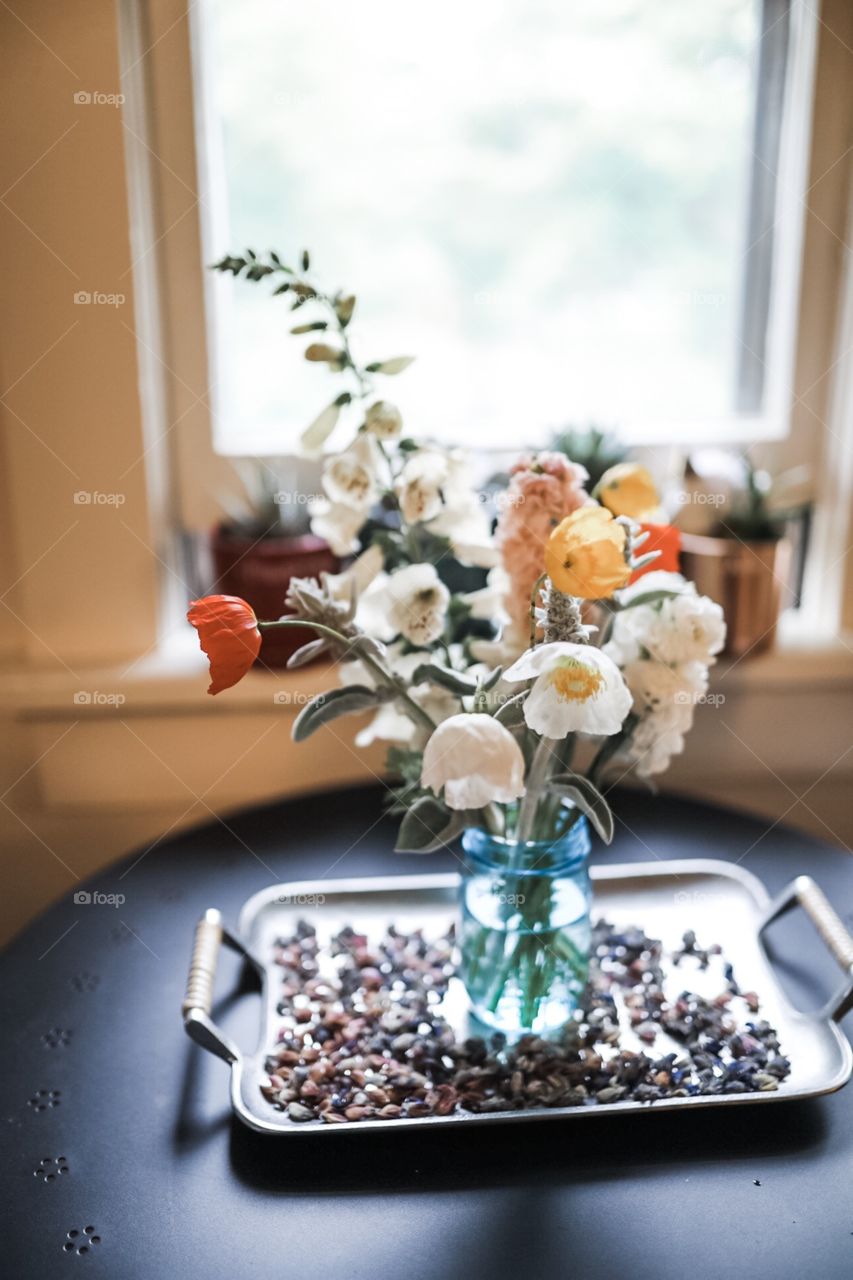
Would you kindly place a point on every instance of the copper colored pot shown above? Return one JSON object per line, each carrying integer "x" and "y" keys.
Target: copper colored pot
{"x": 746, "y": 578}
{"x": 260, "y": 572}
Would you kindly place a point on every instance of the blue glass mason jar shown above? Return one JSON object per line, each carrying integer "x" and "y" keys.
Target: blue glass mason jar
{"x": 525, "y": 928}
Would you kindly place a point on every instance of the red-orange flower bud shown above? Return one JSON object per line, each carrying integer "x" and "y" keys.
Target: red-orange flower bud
{"x": 228, "y": 633}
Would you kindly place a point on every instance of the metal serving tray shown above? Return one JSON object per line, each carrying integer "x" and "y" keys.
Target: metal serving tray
{"x": 721, "y": 902}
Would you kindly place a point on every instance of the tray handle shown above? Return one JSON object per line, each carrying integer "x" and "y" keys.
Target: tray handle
{"x": 210, "y": 933}
{"x": 804, "y": 892}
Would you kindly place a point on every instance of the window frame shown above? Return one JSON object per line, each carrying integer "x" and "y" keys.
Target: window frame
{"x": 771, "y": 233}
{"x": 176, "y": 162}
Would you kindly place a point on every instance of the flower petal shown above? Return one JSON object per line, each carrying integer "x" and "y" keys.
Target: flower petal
{"x": 542, "y": 657}
{"x": 228, "y": 633}
{"x": 476, "y": 760}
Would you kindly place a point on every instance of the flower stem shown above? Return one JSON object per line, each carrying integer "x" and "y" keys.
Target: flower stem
{"x": 540, "y": 768}
{"x": 534, "y": 596}
{"x": 415, "y": 711}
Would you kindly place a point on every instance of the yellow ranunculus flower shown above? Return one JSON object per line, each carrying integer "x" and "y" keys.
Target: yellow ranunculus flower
{"x": 585, "y": 555}
{"x": 628, "y": 490}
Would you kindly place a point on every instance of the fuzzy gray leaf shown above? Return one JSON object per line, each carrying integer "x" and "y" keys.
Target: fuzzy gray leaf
{"x": 587, "y": 797}
{"x": 648, "y": 597}
{"x": 511, "y": 712}
{"x": 429, "y": 825}
{"x": 329, "y": 706}
{"x": 307, "y": 653}
{"x": 457, "y": 683}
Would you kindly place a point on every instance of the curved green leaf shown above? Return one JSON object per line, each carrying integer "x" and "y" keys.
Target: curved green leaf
{"x": 511, "y": 712}
{"x": 455, "y": 681}
{"x": 587, "y": 797}
{"x": 648, "y": 597}
{"x": 428, "y": 825}
{"x": 329, "y": 706}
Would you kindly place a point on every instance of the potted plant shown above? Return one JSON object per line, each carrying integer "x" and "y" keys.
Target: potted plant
{"x": 266, "y": 541}
{"x": 743, "y": 562}
{"x": 594, "y": 448}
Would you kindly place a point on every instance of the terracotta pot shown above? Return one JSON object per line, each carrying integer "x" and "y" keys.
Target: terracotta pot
{"x": 746, "y": 578}
{"x": 260, "y": 572}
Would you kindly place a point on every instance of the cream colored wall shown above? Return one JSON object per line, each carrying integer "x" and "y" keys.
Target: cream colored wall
{"x": 70, "y": 409}
{"x": 85, "y": 783}
{"x": 81, "y": 783}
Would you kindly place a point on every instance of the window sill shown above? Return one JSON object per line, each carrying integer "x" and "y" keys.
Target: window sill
{"x": 797, "y": 661}
{"x": 173, "y": 680}
{"x": 170, "y": 681}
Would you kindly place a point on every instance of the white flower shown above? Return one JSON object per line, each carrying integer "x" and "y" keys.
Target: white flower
{"x": 664, "y": 699}
{"x": 416, "y": 603}
{"x": 419, "y": 487}
{"x": 390, "y": 724}
{"x": 355, "y": 580}
{"x": 476, "y": 760}
{"x": 434, "y": 489}
{"x": 503, "y": 651}
{"x": 684, "y": 628}
{"x": 670, "y": 692}
{"x": 371, "y": 613}
{"x": 690, "y": 629}
{"x": 350, "y": 478}
{"x": 653, "y": 743}
{"x": 463, "y": 518}
{"x": 383, "y": 420}
{"x": 468, "y": 527}
{"x": 411, "y": 602}
{"x": 488, "y": 603}
{"x": 577, "y": 688}
{"x": 474, "y": 546}
{"x": 339, "y": 525}
{"x": 665, "y": 649}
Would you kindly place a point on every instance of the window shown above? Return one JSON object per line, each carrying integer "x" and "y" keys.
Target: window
{"x": 568, "y": 212}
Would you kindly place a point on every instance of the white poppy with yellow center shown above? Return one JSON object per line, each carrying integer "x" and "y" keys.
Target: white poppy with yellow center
{"x": 577, "y": 689}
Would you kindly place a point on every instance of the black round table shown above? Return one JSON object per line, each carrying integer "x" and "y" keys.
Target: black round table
{"x": 121, "y": 1157}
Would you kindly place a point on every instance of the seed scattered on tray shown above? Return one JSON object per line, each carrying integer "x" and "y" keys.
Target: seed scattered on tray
{"x": 362, "y": 1035}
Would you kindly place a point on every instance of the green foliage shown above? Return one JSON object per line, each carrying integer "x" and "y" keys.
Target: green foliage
{"x": 462, "y": 685}
{"x": 428, "y": 825}
{"x": 593, "y": 447}
{"x": 750, "y": 518}
{"x": 329, "y": 706}
{"x": 586, "y": 796}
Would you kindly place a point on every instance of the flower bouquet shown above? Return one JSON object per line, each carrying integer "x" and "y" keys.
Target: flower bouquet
{"x": 515, "y": 650}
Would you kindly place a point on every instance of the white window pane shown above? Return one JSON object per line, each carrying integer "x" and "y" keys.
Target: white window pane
{"x": 544, "y": 200}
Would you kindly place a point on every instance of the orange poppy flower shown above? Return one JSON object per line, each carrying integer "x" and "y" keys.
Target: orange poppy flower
{"x": 664, "y": 538}
{"x": 228, "y": 633}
